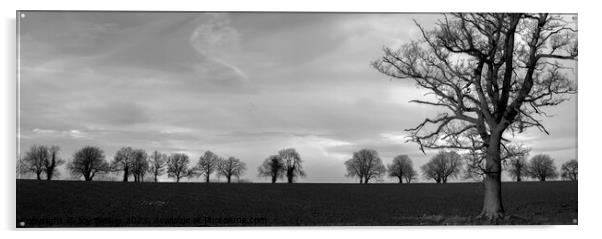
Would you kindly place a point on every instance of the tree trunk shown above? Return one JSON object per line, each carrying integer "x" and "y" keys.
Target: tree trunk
{"x": 518, "y": 179}
{"x": 273, "y": 179}
{"x": 542, "y": 179}
{"x": 207, "y": 178}
{"x": 39, "y": 175}
{"x": 492, "y": 183}
{"x": 400, "y": 178}
{"x": 155, "y": 178}
{"x": 228, "y": 178}
{"x": 125, "y": 174}
{"x": 290, "y": 179}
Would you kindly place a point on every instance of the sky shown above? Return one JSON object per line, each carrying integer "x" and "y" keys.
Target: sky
{"x": 238, "y": 84}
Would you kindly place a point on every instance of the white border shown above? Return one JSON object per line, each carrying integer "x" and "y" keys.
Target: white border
{"x": 589, "y": 89}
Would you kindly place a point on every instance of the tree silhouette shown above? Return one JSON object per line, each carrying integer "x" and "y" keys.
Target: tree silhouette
{"x": 402, "y": 168}
{"x": 365, "y": 164}
{"x": 272, "y": 167}
{"x": 231, "y": 167}
{"x": 122, "y": 161}
{"x": 177, "y": 166}
{"x": 542, "y": 167}
{"x": 492, "y": 74}
{"x": 569, "y": 170}
{"x": 292, "y": 164}
{"x": 442, "y": 166}
{"x": 88, "y": 162}
{"x": 139, "y": 165}
{"x": 41, "y": 159}
{"x": 157, "y": 164}
{"x": 517, "y": 166}
{"x": 34, "y": 160}
{"x": 50, "y": 166}
{"x": 207, "y": 164}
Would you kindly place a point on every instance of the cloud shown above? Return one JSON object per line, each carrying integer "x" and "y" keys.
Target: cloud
{"x": 239, "y": 84}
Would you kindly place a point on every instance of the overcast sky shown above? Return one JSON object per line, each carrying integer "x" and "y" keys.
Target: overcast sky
{"x": 238, "y": 84}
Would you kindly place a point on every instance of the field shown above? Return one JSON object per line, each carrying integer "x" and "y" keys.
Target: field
{"x": 76, "y": 204}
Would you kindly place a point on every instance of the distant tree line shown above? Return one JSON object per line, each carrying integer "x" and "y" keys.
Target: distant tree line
{"x": 129, "y": 163}
{"x": 365, "y": 165}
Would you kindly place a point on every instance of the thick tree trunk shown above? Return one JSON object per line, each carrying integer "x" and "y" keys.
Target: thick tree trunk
{"x": 155, "y": 178}
{"x": 228, "y": 178}
{"x": 39, "y": 176}
{"x": 400, "y": 179}
{"x": 126, "y": 175}
{"x": 273, "y": 179}
{"x": 49, "y": 175}
{"x": 493, "y": 208}
{"x": 207, "y": 178}
{"x": 290, "y": 179}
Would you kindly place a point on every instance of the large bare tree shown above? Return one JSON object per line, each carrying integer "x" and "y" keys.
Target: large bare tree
{"x": 442, "y": 166}
{"x": 231, "y": 167}
{"x": 402, "y": 168}
{"x": 493, "y": 74}
{"x": 88, "y": 162}
{"x": 292, "y": 164}
{"x": 366, "y": 165}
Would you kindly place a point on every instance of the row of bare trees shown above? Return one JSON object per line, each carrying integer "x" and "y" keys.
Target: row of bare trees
{"x": 89, "y": 162}
{"x": 367, "y": 165}
{"x": 286, "y": 163}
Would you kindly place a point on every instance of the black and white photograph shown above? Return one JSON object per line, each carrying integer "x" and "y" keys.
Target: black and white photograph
{"x": 172, "y": 119}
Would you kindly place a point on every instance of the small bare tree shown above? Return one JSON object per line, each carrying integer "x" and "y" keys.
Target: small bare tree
{"x": 157, "y": 164}
{"x": 177, "y": 166}
{"x": 88, "y": 162}
{"x": 292, "y": 164}
{"x": 231, "y": 167}
{"x": 123, "y": 161}
{"x": 442, "y": 166}
{"x": 207, "y": 165}
{"x": 492, "y": 74}
{"x": 542, "y": 167}
{"x": 402, "y": 168}
{"x": 139, "y": 165}
{"x": 516, "y": 165}
{"x": 272, "y": 167}
{"x": 41, "y": 159}
{"x": 366, "y": 165}
{"x": 569, "y": 170}
{"x": 35, "y": 160}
